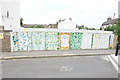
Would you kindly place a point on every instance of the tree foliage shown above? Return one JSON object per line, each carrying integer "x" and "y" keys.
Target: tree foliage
{"x": 86, "y": 28}
{"x": 115, "y": 28}
{"x": 21, "y": 21}
{"x": 110, "y": 28}
{"x": 100, "y": 28}
{"x": 37, "y": 26}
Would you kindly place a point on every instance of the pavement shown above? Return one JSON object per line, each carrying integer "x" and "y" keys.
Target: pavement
{"x": 55, "y": 53}
{"x": 115, "y": 62}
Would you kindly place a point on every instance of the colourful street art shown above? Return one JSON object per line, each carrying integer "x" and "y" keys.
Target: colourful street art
{"x": 52, "y": 41}
{"x": 76, "y": 40}
{"x": 42, "y": 40}
{"x": 29, "y": 35}
{"x": 64, "y": 40}
{"x": 111, "y": 38}
{"x": 23, "y": 41}
{"x": 97, "y": 41}
{"x": 38, "y": 41}
{"x": 15, "y": 41}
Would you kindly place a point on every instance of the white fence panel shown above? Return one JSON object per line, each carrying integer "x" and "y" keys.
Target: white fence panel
{"x": 86, "y": 41}
{"x": 105, "y": 41}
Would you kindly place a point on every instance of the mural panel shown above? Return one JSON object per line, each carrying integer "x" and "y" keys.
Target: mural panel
{"x": 29, "y": 45}
{"x": 42, "y": 40}
{"x": 51, "y": 41}
{"x": 23, "y": 41}
{"x": 104, "y": 41}
{"x": 27, "y": 41}
{"x": 76, "y": 40}
{"x": 86, "y": 41}
{"x": 97, "y": 41}
{"x": 111, "y": 40}
{"x": 15, "y": 41}
{"x": 64, "y": 40}
{"x": 38, "y": 40}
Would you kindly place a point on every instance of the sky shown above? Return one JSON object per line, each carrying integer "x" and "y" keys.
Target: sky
{"x": 91, "y": 13}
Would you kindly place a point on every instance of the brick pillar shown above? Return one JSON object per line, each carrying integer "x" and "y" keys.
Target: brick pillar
{"x": 6, "y": 43}
{"x": 115, "y": 41}
{"x": 1, "y": 40}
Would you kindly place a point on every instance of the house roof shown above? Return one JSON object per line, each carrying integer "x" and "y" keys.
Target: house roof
{"x": 29, "y": 25}
{"x": 113, "y": 21}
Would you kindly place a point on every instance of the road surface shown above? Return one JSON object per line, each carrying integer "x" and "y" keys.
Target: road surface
{"x": 60, "y": 67}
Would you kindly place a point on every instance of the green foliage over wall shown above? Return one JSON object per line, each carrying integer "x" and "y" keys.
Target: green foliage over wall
{"x": 21, "y": 21}
{"x": 86, "y": 28}
{"x": 38, "y": 26}
{"x": 115, "y": 28}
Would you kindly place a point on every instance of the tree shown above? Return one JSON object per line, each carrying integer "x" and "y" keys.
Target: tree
{"x": 91, "y": 29}
{"x": 100, "y": 28}
{"x": 40, "y": 26}
{"x": 110, "y": 28}
{"x": 21, "y": 21}
{"x": 86, "y": 28}
{"x": 117, "y": 30}
{"x": 37, "y": 26}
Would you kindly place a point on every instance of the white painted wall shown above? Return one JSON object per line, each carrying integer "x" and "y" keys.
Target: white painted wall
{"x": 96, "y": 41}
{"x": 1, "y": 13}
{"x": 119, "y": 9}
{"x": 104, "y": 41}
{"x": 11, "y": 7}
{"x": 112, "y": 40}
{"x": 67, "y": 24}
{"x": 86, "y": 40}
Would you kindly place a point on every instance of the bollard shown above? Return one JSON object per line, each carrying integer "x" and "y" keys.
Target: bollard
{"x": 117, "y": 48}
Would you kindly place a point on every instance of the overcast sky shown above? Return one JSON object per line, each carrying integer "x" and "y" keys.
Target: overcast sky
{"x": 91, "y": 13}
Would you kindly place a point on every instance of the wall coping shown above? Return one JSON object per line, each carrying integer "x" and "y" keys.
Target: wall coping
{"x": 59, "y": 30}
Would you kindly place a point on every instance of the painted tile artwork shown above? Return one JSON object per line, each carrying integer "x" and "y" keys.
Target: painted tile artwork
{"x": 23, "y": 41}
{"x": 15, "y": 41}
{"x": 36, "y": 40}
{"x": 64, "y": 40}
{"x": 76, "y": 40}
{"x": 97, "y": 41}
{"x": 111, "y": 38}
{"x": 29, "y": 34}
{"x": 42, "y": 40}
{"x": 86, "y": 41}
{"x": 52, "y": 41}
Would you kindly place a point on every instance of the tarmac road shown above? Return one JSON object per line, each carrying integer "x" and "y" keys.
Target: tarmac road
{"x": 60, "y": 67}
